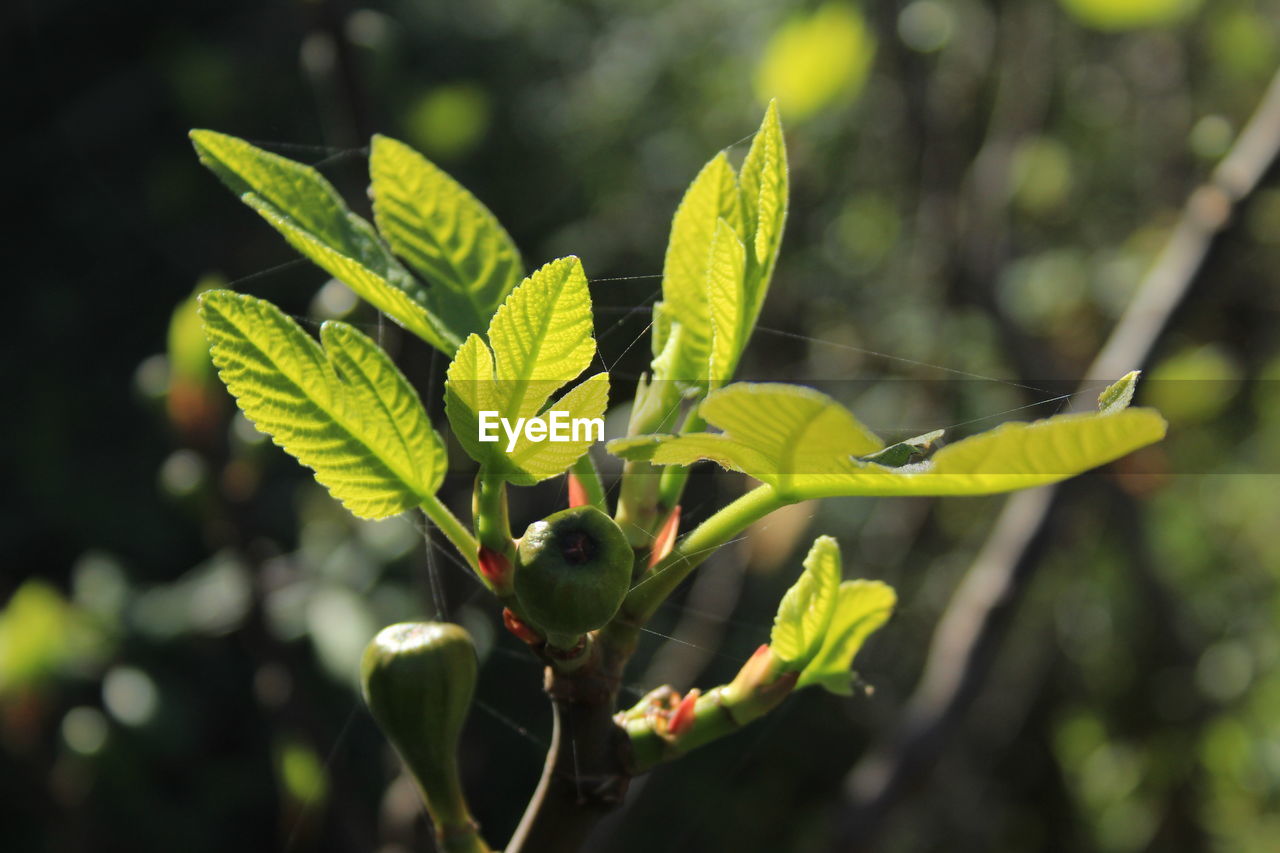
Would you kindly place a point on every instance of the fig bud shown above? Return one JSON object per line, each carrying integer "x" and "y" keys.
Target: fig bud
{"x": 573, "y": 569}
{"x": 418, "y": 679}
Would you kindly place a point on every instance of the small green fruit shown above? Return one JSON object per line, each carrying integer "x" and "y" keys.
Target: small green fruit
{"x": 573, "y": 569}
{"x": 418, "y": 679}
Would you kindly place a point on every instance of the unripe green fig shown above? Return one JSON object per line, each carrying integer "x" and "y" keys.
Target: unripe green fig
{"x": 418, "y": 679}
{"x": 573, "y": 569}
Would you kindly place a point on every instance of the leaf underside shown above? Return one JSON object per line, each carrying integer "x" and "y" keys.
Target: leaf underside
{"x": 805, "y": 445}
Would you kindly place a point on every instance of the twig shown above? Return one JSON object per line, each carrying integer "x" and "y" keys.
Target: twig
{"x": 974, "y": 622}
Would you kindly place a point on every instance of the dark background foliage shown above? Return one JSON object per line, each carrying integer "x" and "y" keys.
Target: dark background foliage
{"x": 978, "y": 187}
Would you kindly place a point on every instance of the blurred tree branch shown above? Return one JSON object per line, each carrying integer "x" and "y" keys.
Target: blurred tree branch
{"x": 975, "y": 622}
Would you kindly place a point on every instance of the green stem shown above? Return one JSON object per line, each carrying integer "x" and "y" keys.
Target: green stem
{"x": 694, "y": 547}
{"x": 758, "y": 688}
{"x": 453, "y": 529}
{"x": 455, "y": 830}
{"x": 654, "y": 410}
{"x": 585, "y": 470}
{"x": 489, "y": 506}
{"x": 714, "y": 717}
{"x": 497, "y": 550}
{"x": 674, "y": 477}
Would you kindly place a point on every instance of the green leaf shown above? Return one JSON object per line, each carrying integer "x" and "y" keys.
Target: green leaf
{"x": 774, "y": 432}
{"x": 765, "y": 191}
{"x": 541, "y": 339}
{"x": 445, "y": 234}
{"x": 861, "y": 607}
{"x": 801, "y": 443}
{"x": 805, "y": 611}
{"x": 307, "y": 210}
{"x": 908, "y": 451}
{"x": 723, "y": 247}
{"x": 712, "y": 197}
{"x": 343, "y": 410}
{"x": 725, "y": 301}
{"x": 1118, "y": 396}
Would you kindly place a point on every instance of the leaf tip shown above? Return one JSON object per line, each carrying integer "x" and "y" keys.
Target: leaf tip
{"x": 1118, "y": 395}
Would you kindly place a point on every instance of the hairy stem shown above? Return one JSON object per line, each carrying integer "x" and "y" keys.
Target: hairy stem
{"x": 453, "y": 529}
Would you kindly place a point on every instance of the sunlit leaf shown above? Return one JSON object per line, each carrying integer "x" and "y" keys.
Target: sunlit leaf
{"x": 765, "y": 190}
{"x": 309, "y": 212}
{"x": 541, "y": 339}
{"x": 723, "y": 247}
{"x": 805, "y": 445}
{"x": 1118, "y": 396}
{"x": 805, "y": 611}
{"x": 343, "y": 410}
{"x": 711, "y": 198}
{"x": 727, "y": 303}
{"x": 771, "y": 431}
{"x": 445, "y": 234}
{"x": 861, "y": 607}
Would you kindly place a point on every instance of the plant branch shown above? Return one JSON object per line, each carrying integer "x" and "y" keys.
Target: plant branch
{"x": 974, "y": 622}
{"x": 586, "y": 773}
{"x": 453, "y": 529}
{"x": 663, "y": 727}
{"x": 688, "y": 553}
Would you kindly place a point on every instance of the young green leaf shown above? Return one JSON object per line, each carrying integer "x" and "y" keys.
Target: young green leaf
{"x": 765, "y": 190}
{"x": 805, "y": 611}
{"x": 796, "y": 440}
{"x": 308, "y": 211}
{"x": 541, "y": 339}
{"x": 445, "y": 234}
{"x": 861, "y": 607}
{"x": 907, "y": 451}
{"x": 725, "y": 301}
{"x": 723, "y": 246}
{"x": 343, "y": 410}
{"x": 712, "y": 197}
{"x": 1118, "y": 396}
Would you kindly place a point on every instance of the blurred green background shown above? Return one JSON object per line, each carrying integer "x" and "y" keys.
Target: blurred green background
{"x": 978, "y": 186}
